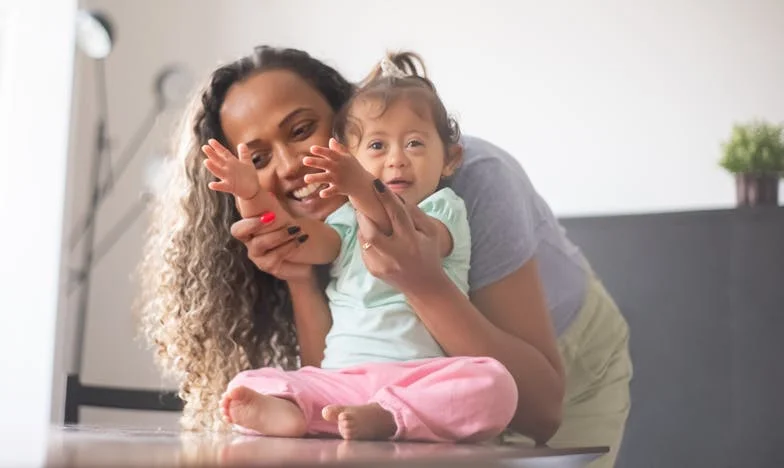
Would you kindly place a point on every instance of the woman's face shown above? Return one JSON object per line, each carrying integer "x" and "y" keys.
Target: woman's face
{"x": 280, "y": 116}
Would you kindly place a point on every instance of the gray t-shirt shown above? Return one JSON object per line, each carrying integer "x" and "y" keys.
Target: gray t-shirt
{"x": 511, "y": 224}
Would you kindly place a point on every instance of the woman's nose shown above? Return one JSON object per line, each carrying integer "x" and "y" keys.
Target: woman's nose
{"x": 290, "y": 162}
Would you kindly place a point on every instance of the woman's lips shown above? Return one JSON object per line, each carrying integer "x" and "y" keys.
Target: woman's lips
{"x": 307, "y": 192}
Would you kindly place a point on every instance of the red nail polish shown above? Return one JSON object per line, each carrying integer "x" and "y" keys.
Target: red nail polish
{"x": 267, "y": 217}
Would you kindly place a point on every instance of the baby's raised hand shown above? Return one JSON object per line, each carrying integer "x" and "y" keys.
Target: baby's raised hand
{"x": 236, "y": 175}
{"x": 344, "y": 174}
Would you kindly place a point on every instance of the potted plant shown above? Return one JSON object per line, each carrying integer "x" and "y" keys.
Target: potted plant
{"x": 755, "y": 155}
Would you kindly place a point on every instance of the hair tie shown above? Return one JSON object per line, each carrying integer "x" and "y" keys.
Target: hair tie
{"x": 390, "y": 70}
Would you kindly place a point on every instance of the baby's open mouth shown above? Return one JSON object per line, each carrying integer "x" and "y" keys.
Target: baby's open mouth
{"x": 398, "y": 184}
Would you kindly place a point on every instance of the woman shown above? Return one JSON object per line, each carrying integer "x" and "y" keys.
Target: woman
{"x": 221, "y": 298}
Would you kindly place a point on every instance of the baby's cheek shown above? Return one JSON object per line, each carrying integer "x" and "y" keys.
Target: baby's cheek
{"x": 370, "y": 164}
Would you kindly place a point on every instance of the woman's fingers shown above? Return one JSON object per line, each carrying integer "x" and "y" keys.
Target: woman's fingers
{"x": 370, "y": 236}
{"x": 396, "y": 210}
{"x": 246, "y": 228}
{"x": 267, "y": 242}
{"x": 377, "y": 248}
{"x": 400, "y": 220}
{"x": 266, "y": 245}
{"x": 422, "y": 222}
{"x": 271, "y": 261}
{"x": 270, "y": 250}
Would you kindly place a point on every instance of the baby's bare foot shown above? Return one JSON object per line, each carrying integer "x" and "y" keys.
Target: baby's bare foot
{"x": 267, "y": 415}
{"x": 363, "y": 422}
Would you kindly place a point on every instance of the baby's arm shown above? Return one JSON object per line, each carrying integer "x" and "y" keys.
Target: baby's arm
{"x": 346, "y": 176}
{"x": 445, "y": 241}
{"x": 237, "y": 176}
{"x": 444, "y": 215}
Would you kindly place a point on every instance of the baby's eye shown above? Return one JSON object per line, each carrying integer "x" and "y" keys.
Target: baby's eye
{"x": 376, "y": 145}
{"x": 415, "y": 143}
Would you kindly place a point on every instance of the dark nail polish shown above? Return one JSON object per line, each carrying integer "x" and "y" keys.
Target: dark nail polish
{"x": 379, "y": 186}
{"x": 301, "y": 239}
{"x": 293, "y": 230}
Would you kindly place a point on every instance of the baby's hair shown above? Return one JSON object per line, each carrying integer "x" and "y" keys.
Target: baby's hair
{"x": 410, "y": 63}
{"x": 409, "y": 81}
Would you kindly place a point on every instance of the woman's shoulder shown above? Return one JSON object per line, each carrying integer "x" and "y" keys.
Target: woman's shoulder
{"x": 487, "y": 166}
{"x": 509, "y": 220}
{"x": 475, "y": 148}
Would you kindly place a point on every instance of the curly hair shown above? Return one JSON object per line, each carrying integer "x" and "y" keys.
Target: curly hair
{"x": 206, "y": 309}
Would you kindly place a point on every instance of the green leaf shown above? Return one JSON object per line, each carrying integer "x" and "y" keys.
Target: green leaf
{"x": 756, "y": 146}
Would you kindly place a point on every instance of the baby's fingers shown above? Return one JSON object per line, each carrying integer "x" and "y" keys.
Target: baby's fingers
{"x": 338, "y": 147}
{"x": 220, "y": 186}
{"x": 219, "y": 149}
{"x": 320, "y": 178}
{"x": 244, "y": 153}
{"x": 330, "y": 191}
{"x": 215, "y": 168}
{"x": 211, "y": 154}
{"x": 318, "y": 163}
{"x": 325, "y": 153}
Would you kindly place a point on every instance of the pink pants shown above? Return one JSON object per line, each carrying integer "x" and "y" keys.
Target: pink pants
{"x": 437, "y": 400}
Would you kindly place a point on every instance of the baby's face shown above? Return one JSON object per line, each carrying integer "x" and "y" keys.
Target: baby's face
{"x": 401, "y": 147}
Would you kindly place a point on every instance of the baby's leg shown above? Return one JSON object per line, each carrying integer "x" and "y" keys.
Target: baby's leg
{"x": 362, "y": 422}
{"x": 441, "y": 400}
{"x": 267, "y": 415}
{"x": 273, "y": 402}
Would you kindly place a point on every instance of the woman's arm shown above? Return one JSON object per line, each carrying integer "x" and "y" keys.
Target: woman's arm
{"x": 508, "y": 320}
{"x": 491, "y": 324}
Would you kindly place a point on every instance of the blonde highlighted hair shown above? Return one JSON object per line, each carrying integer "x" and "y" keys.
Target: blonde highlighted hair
{"x": 205, "y": 308}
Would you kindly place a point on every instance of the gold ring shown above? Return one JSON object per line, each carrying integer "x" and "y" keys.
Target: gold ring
{"x": 366, "y": 245}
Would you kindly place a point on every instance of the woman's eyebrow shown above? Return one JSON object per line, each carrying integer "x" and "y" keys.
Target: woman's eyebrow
{"x": 286, "y": 120}
{"x": 293, "y": 115}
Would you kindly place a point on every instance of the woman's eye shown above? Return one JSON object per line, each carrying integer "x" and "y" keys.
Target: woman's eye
{"x": 300, "y": 132}
{"x": 376, "y": 145}
{"x": 260, "y": 160}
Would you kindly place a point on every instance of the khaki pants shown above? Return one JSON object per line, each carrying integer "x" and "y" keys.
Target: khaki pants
{"x": 595, "y": 352}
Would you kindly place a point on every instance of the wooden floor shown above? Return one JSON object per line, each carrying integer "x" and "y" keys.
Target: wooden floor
{"x": 86, "y": 446}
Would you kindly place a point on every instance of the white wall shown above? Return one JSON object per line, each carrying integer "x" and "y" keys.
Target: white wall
{"x": 36, "y": 64}
{"x": 612, "y": 106}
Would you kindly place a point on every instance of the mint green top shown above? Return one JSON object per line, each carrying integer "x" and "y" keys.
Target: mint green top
{"x": 371, "y": 321}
